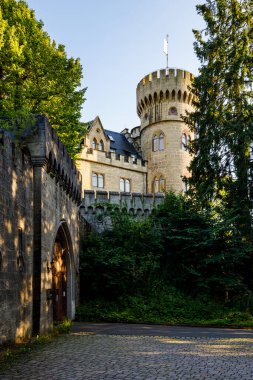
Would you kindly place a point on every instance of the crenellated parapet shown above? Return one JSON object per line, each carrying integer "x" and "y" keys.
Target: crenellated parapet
{"x": 97, "y": 202}
{"x": 113, "y": 159}
{"x": 164, "y": 95}
{"x": 46, "y": 149}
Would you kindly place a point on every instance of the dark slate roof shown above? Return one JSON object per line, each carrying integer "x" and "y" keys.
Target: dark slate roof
{"x": 120, "y": 144}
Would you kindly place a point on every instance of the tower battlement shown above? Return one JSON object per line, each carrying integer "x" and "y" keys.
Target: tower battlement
{"x": 167, "y": 85}
{"x": 166, "y": 74}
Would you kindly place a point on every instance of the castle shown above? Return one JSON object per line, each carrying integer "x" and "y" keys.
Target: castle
{"x": 42, "y": 209}
{"x": 151, "y": 157}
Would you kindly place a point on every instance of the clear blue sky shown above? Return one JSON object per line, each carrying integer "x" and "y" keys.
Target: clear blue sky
{"x": 119, "y": 42}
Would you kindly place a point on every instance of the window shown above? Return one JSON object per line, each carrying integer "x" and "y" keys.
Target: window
{"x": 184, "y": 142}
{"x": 158, "y": 184}
{"x": 155, "y": 143}
{"x": 172, "y": 111}
{"x": 98, "y": 180}
{"x": 125, "y": 185}
{"x": 184, "y": 185}
{"x": 122, "y": 184}
{"x": 94, "y": 180}
{"x": 101, "y": 145}
{"x": 161, "y": 184}
{"x": 161, "y": 141}
{"x": 101, "y": 181}
{"x": 111, "y": 138}
{"x": 158, "y": 142}
{"x": 94, "y": 144}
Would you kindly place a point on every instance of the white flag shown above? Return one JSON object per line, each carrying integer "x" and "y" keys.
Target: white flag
{"x": 165, "y": 46}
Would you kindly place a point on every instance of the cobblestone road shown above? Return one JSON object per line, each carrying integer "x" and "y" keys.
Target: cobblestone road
{"x": 87, "y": 355}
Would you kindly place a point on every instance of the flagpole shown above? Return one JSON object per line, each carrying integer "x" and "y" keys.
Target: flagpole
{"x": 167, "y": 55}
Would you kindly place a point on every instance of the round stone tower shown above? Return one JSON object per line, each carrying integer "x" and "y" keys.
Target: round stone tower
{"x": 162, "y": 97}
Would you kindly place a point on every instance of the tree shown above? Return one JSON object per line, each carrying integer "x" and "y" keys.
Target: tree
{"x": 36, "y": 76}
{"x": 121, "y": 261}
{"x": 202, "y": 253}
{"x": 223, "y": 120}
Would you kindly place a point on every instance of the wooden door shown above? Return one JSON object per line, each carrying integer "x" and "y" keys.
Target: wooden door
{"x": 59, "y": 282}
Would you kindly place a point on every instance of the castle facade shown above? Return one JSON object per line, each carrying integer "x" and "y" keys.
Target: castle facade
{"x": 149, "y": 158}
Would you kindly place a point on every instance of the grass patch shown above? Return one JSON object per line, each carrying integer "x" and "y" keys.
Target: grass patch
{"x": 168, "y": 306}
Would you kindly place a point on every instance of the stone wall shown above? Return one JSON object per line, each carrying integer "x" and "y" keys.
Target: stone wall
{"x": 112, "y": 167}
{"x": 40, "y": 191}
{"x": 16, "y": 241}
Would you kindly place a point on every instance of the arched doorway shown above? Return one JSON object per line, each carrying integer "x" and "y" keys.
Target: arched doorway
{"x": 62, "y": 275}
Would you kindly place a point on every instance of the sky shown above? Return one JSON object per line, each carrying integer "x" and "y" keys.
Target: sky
{"x": 118, "y": 43}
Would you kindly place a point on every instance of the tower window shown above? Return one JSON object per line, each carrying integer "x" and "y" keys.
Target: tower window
{"x": 184, "y": 142}
{"x": 172, "y": 111}
{"x": 184, "y": 185}
{"x": 98, "y": 180}
{"x": 161, "y": 141}
{"x": 94, "y": 144}
{"x": 158, "y": 184}
{"x": 125, "y": 185}
{"x": 155, "y": 143}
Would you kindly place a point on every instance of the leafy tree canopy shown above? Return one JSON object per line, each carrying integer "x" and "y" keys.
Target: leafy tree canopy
{"x": 222, "y": 163}
{"x": 36, "y": 76}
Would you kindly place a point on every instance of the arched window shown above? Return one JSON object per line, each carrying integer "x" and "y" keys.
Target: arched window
{"x": 122, "y": 184}
{"x": 155, "y": 143}
{"x": 184, "y": 142}
{"x": 158, "y": 184}
{"x": 94, "y": 144}
{"x": 127, "y": 185}
{"x": 100, "y": 181}
{"x": 94, "y": 180}
{"x": 161, "y": 141}
{"x": 161, "y": 184}
{"x": 101, "y": 145}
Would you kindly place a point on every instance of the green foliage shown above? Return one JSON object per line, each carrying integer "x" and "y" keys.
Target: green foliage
{"x": 64, "y": 327}
{"x": 180, "y": 265}
{"x": 222, "y": 122}
{"x": 121, "y": 260}
{"x": 165, "y": 305}
{"x": 36, "y": 76}
{"x": 203, "y": 251}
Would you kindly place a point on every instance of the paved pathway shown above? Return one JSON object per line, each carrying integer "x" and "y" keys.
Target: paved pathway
{"x": 140, "y": 352}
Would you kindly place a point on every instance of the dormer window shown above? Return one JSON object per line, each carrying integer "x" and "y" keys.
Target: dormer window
{"x": 101, "y": 145}
{"x": 94, "y": 144}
